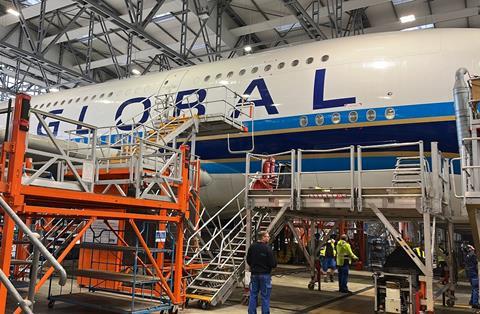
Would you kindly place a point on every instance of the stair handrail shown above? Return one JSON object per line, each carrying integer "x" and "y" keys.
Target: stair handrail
{"x": 172, "y": 104}
{"x": 240, "y": 223}
{"x": 218, "y": 233}
{"x": 33, "y": 238}
{"x": 22, "y": 303}
{"x": 205, "y": 224}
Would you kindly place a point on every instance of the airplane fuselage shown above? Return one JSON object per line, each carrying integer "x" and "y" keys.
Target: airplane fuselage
{"x": 379, "y": 88}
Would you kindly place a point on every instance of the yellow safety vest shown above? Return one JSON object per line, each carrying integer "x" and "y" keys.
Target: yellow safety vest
{"x": 344, "y": 252}
{"x": 420, "y": 253}
{"x": 323, "y": 251}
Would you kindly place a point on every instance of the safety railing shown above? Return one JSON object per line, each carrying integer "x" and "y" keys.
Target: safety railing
{"x": 227, "y": 240}
{"x": 168, "y": 111}
{"x": 351, "y": 178}
{"x": 68, "y": 156}
{"x": 38, "y": 248}
{"x": 82, "y": 158}
{"x": 422, "y": 182}
{"x": 303, "y": 158}
{"x": 469, "y": 168}
{"x": 214, "y": 222}
{"x": 275, "y": 172}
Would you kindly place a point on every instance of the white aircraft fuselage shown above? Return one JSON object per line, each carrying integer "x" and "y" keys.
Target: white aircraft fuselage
{"x": 370, "y": 89}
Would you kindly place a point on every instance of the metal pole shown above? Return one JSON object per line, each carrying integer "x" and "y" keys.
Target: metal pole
{"x": 352, "y": 178}
{"x": 428, "y": 261}
{"x": 299, "y": 179}
{"x": 359, "y": 165}
{"x": 33, "y": 275}
{"x": 247, "y": 204}
{"x": 8, "y": 120}
{"x": 24, "y": 304}
{"x": 33, "y": 238}
{"x": 292, "y": 179}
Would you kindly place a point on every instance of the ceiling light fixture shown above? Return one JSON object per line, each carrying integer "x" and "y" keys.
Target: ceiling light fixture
{"x": 136, "y": 71}
{"x": 247, "y": 48}
{"x": 407, "y": 18}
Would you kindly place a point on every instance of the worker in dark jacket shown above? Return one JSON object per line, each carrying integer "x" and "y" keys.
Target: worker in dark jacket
{"x": 471, "y": 268}
{"x": 261, "y": 260}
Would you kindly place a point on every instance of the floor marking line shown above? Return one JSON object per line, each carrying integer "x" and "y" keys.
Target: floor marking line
{"x": 322, "y": 304}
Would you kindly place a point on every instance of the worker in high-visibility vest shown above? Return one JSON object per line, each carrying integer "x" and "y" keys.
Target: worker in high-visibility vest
{"x": 328, "y": 253}
{"x": 442, "y": 265}
{"x": 419, "y": 252}
{"x": 344, "y": 257}
{"x": 471, "y": 269}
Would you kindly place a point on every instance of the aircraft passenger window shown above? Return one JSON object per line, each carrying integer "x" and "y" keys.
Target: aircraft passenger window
{"x": 62, "y": 103}
{"x": 41, "y": 106}
{"x": 56, "y": 103}
{"x": 294, "y": 63}
{"x": 309, "y": 60}
{"x": 303, "y": 121}
{"x": 230, "y": 74}
{"x": 85, "y": 98}
{"x": 219, "y": 75}
{"x": 281, "y": 65}
{"x": 101, "y": 96}
{"x": 166, "y": 82}
{"x": 78, "y": 99}
{"x": 319, "y": 119}
{"x": 371, "y": 115}
{"x": 110, "y": 94}
{"x": 353, "y": 116}
{"x": 336, "y": 118}
{"x": 207, "y": 78}
{"x": 254, "y": 70}
{"x": 242, "y": 72}
{"x": 93, "y": 97}
{"x": 70, "y": 101}
{"x": 325, "y": 58}
{"x": 389, "y": 113}
{"x": 267, "y": 67}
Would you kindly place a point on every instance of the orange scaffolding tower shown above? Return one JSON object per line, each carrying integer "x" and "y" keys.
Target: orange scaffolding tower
{"x": 33, "y": 202}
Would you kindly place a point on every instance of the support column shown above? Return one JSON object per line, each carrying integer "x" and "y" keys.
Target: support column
{"x": 178, "y": 277}
{"x": 5, "y": 256}
{"x": 427, "y": 236}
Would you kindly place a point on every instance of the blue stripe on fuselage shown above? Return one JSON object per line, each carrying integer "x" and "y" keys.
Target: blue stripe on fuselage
{"x": 401, "y": 112}
{"x": 442, "y": 132}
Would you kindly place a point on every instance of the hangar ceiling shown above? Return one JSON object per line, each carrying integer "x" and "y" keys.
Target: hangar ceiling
{"x": 50, "y": 45}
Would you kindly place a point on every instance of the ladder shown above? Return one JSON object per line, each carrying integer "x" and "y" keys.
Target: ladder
{"x": 408, "y": 171}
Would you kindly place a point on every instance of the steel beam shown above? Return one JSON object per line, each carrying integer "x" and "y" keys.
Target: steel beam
{"x": 290, "y": 19}
{"x": 10, "y": 50}
{"x": 436, "y": 18}
{"x": 100, "y": 8}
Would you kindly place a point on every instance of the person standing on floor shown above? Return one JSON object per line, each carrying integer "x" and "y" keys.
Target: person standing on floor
{"x": 344, "y": 256}
{"x": 329, "y": 253}
{"x": 471, "y": 268}
{"x": 261, "y": 260}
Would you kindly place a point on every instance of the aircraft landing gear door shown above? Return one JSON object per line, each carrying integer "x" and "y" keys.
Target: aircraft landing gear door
{"x": 167, "y": 92}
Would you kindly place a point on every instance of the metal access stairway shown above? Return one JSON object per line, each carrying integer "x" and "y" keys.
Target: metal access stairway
{"x": 227, "y": 242}
{"x": 408, "y": 171}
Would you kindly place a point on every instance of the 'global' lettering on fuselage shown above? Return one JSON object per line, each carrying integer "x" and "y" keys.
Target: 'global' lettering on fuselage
{"x": 183, "y": 102}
